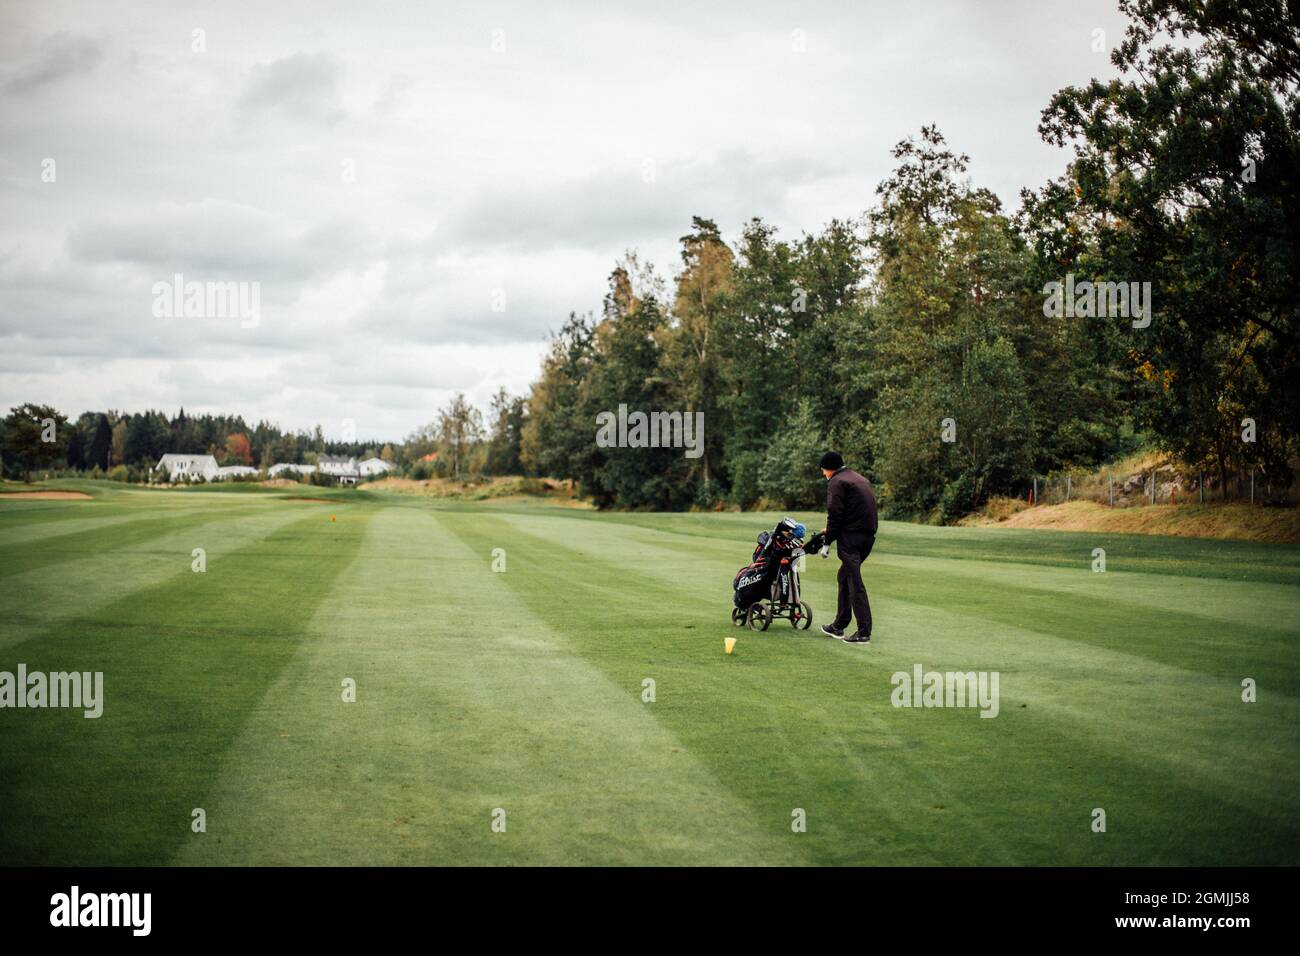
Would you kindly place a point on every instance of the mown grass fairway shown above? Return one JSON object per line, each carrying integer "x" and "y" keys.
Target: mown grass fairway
{"x": 523, "y": 690}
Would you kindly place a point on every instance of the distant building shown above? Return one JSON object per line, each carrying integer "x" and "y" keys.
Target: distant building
{"x": 276, "y": 470}
{"x": 188, "y": 467}
{"x": 235, "y": 471}
{"x": 373, "y": 466}
{"x": 344, "y": 469}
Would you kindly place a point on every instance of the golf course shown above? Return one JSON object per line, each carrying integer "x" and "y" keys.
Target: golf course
{"x": 566, "y": 699}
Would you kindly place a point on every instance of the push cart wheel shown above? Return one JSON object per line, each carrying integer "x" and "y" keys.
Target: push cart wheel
{"x": 738, "y": 616}
{"x": 805, "y": 617}
{"x": 760, "y": 617}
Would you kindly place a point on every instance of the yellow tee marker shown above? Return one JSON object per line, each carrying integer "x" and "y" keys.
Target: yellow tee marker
{"x": 730, "y": 644}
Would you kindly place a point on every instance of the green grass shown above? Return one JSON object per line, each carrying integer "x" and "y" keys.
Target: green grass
{"x": 523, "y": 690}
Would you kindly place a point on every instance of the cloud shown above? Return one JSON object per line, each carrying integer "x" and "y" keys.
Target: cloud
{"x": 522, "y": 172}
{"x": 195, "y": 384}
{"x": 344, "y": 368}
{"x": 61, "y": 55}
{"x": 616, "y": 208}
{"x": 217, "y": 239}
{"x": 429, "y": 293}
{"x": 304, "y": 86}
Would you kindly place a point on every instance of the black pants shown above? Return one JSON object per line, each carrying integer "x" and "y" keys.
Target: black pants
{"x": 853, "y": 548}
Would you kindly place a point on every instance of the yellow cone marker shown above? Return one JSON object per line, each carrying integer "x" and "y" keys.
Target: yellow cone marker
{"x": 331, "y": 517}
{"x": 730, "y": 643}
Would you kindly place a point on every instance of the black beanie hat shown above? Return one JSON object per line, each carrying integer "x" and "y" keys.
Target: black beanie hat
{"x": 832, "y": 460}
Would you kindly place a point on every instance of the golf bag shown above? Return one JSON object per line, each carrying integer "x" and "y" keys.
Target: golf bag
{"x": 768, "y": 587}
{"x": 753, "y": 582}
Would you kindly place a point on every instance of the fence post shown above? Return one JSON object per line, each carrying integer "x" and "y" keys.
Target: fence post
{"x": 1153, "y": 486}
{"x": 1035, "y": 501}
{"x": 1067, "y": 489}
{"x": 1111, "y": 482}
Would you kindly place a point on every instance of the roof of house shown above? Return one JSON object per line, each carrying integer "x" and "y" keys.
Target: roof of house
{"x": 171, "y": 458}
{"x": 336, "y": 460}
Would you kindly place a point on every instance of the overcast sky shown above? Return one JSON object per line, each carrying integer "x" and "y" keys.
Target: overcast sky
{"x": 394, "y": 174}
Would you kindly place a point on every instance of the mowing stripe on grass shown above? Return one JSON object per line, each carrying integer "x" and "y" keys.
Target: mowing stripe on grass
{"x": 48, "y": 524}
{"x": 121, "y": 540}
{"x": 1205, "y": 558}
{"x": 771, "y": 721}
{"x": 1136, "y": 737}
{"x": 818, "y": 714}
{"x": 1258, "y": 604}
{"x": 522, "y": 690}
{"x": 52, "y": 594}
{"x": 1115, "y": 611}
{"x": 185, "y": 661}
{"x": 466, "y": 702}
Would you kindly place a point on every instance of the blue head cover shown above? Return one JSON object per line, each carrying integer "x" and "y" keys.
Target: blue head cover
{"x": 800, "y": 531}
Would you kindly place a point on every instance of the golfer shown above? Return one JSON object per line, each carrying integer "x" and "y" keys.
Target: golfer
{"x": 851, "y": 522}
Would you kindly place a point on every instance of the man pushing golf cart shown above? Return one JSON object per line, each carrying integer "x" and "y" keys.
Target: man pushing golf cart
{"x": 851, "y": 522}
{"x": 768, "y": 587}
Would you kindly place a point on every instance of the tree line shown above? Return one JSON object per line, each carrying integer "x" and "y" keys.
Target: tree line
{"x": 926, "y": 340}
{"x": 127, "y": 445}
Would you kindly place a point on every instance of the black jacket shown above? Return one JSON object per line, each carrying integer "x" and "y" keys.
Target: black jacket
{"x": 850, "y": 505}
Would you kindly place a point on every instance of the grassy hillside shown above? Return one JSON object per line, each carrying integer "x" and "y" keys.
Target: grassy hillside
{"x": 1239, "y": 522}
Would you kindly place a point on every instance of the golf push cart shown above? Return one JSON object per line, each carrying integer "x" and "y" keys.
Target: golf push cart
{"x": 768, "y": 588}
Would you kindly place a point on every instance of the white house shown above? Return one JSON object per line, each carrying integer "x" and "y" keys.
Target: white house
{"x": 188, "y": 467}
{"x": 344, "y": 469}
{"x": 235, "y": 471}
{"x": 277, "y": 470}
{"x": 373, "y": 466}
